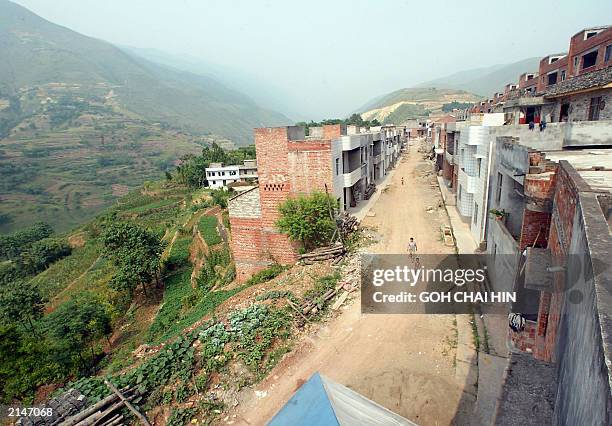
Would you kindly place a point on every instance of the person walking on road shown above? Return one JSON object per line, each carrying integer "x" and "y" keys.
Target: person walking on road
{"x": 402, "y": 180}
{"x": 412, "y": 248}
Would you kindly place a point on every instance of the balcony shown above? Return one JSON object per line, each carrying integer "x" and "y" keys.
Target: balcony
{"x": 350, "y": 179}
{"x": 470, "y": 183}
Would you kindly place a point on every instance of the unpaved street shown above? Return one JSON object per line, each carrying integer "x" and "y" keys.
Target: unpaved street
{"x": 404, "y": 362}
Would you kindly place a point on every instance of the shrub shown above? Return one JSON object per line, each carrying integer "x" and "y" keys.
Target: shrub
{"x": 307, "y": 219}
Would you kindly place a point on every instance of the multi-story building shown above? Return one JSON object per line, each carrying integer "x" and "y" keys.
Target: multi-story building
{"x": 220, "y": 176}
{"x": 345, "y": 163}
{"x": 472, "y": 145}
{"x": 569, "y": 86}
{"x": 550, "y": 243}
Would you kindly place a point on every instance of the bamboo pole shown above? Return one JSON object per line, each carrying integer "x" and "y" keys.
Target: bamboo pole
{"x": 142, "y": 418}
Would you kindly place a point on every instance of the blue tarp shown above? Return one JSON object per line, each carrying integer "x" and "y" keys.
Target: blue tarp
{"x": 323, "y": 402}
{"x": 308, "y": 406}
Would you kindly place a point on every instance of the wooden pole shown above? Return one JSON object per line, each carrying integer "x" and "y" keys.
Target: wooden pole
{"x": 142, "y": 418}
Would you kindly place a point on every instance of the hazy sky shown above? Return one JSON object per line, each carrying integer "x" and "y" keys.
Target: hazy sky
{"x": 334, "y": 55}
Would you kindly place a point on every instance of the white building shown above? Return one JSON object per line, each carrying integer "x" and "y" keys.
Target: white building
{"x": 220, "y": 176}
{"x": 360, "y": 159}
{"x": 472, "y": 158}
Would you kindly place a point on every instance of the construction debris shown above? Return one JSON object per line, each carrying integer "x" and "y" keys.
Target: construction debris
{"x": 324, "y": 253}
{"x": 346, "y": 224}
{"x": 103, "y": 413}
{"x": 59, "y": 408}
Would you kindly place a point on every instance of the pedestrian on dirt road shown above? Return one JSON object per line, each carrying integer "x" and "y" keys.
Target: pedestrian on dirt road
{"x": 402, "y": 180}
{"x": 412, "y": 247}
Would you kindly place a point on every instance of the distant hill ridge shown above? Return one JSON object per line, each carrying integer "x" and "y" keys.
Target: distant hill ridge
{"x": 485, "y": 81}
{"x": 37, "y": 52}
{"x": 405, "y": 104}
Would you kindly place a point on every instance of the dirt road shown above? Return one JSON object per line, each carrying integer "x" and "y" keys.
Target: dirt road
{"x": 404, "y": 362}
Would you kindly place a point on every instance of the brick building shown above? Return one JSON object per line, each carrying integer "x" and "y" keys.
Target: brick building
{"x": 570, "y": 86}
{"x": 552, "y": 247}
{"x": 345, "y": 162}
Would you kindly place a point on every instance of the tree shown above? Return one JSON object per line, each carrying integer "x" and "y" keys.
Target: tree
{"x": 136, "y": 252}
{"x": 25, "y": 364}
{"x": 42, "y": 253}
{"x": 21, "y": 303}
{"x": 307, "y": 219}
{"x": 79, "y": 323}
{"x": 12, "y": 245}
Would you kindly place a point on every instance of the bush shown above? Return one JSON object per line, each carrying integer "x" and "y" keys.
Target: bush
{"x": 307, "y": 219}
{"x": 266, "y": 275}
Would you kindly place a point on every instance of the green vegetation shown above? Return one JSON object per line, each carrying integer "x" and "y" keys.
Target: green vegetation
{"x": 255, "y": 336}
{"x": 322, "y": 286}
{"x": 455, "y": 105}
{"x": 308, "y": 219}
{"x": 354, "y": 119}
{"x": 135, "y": 253}
{"x": 208, "y": 228}
{"x": 191, "y": 171}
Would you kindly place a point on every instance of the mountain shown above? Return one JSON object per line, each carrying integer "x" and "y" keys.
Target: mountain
{"x": 405, "y": 104}
{"x": 82, "y": 122}
{"x": 264, "y": 92}
{"x": 37, "y": 53}
{"x": 485, "y": 81}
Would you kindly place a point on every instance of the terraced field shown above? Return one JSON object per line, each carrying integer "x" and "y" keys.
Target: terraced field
{"x": 66, "y": 177}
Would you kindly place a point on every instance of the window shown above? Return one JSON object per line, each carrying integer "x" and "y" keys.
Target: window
{"x": 529, "y": 76}
{"x": 337, "y": 166}
{"x": 500, "y": 182}
{"x": 563, "y": 75}
{"x": 594, "y": 108}
{"x": 475, "y": 218}
{"x": 589, "y": 60}
{"x": 459, "y": 195}
{"x": 608, "y": 53}
{"x": 552, "y": 60}
{"x": 576, "y": 63}
{"x": 589, "y": 34}
{"x": 479, "y": 163}
{"x": 552, "y": 78}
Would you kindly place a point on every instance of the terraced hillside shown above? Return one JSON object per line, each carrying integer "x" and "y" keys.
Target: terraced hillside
{"x": 67, "y": 175}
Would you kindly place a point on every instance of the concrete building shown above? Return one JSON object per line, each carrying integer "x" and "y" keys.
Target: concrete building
{"x": 569, "y": 86}
{"x": 220, "y": 176}
{"x": 551, "y": 246}
{"x": 344, "y": 162}
{"x": 472, "y": 153}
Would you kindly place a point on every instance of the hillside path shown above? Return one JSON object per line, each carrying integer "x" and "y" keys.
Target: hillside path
{"x": 403, "y": 362}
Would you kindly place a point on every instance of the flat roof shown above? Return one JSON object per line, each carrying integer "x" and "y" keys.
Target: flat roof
{"x": 586, "y": 162}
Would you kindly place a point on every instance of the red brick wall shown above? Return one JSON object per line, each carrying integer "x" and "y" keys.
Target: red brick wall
{"x": 566, "y": 197}
{"x": 310, "y": 166}
{"x": 333, "y": 131}
{"x": 246, "y": 243}
{"x": 447, "y": 170}
{"x": 525, "y": 340}
{"x": 534, "y": 230}
{"x": 285, "y": 168}
{"x": 545, "y": 68}
{"x": 578, "y": 46}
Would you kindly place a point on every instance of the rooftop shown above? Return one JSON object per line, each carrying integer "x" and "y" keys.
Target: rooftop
{"x": 594, "y": 166}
